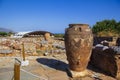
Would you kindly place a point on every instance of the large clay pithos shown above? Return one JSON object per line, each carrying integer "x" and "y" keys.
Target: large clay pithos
{"x": 78, "y": 43}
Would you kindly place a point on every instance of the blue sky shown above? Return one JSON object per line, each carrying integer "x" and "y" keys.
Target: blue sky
{"x": 55, "y": 15}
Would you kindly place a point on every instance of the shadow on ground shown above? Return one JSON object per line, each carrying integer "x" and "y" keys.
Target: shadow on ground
{"x": 56, "y": 64}
{"x": 53, "y": 63}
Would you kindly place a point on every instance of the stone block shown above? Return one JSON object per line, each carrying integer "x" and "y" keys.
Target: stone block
{"x": 106, "y": 60}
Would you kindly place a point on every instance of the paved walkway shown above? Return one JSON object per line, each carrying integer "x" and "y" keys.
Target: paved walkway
{"x": 42, "y": 68}
{"x": 9, "y": 75}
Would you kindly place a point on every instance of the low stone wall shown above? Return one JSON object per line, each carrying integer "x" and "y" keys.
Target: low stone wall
{"x": 98, "y": 40}
{"x": 112, "y": 41}
{"x": 107, "y": 61}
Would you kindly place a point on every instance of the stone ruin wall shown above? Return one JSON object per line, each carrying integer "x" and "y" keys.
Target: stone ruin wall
{"x": 33, "y": 46}
{"x": 113, "y": 41}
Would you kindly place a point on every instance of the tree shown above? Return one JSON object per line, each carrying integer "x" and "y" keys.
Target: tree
{"x": 3, "y": 34}
{"x": 107, "y": 28}
{"x": 60, "y": 35}
{"x": 10, "y": 33}
{"x": 118, "y": 27}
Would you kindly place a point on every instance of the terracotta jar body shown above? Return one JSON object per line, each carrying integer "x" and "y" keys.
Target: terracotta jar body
{"x": 78, "y": 43}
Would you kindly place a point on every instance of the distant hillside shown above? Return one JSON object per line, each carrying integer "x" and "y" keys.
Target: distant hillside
{"x": 5, "y": 30}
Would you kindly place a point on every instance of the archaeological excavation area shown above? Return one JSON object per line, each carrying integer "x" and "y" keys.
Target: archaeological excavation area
{"x": 79, "y": 55}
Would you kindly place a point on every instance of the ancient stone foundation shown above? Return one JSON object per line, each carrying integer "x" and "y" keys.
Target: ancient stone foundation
{"x": 107, "y": 61}
{"x": 78, "y": 43}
